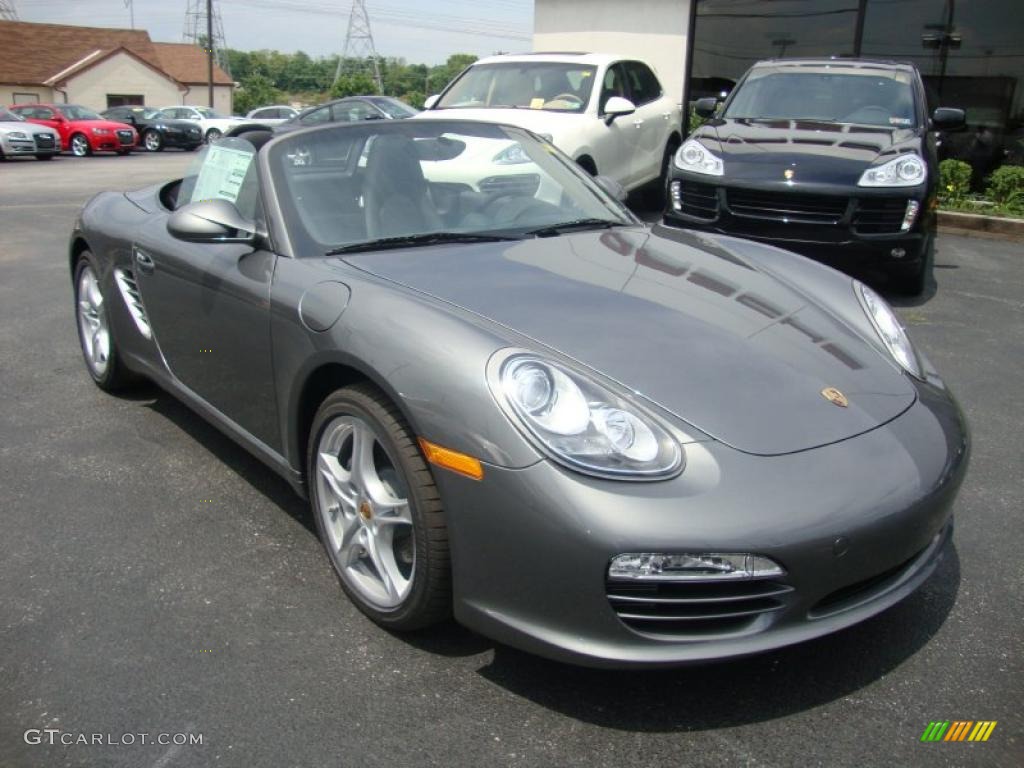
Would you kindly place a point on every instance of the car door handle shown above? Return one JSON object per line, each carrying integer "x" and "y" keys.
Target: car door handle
{"x": 145, "y": 262}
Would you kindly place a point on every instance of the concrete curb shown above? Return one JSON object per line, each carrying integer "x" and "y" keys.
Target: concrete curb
{"x": 986, "y": 226}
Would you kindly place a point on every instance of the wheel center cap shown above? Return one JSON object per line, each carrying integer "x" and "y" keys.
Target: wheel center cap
{"x": 365, "y": 510}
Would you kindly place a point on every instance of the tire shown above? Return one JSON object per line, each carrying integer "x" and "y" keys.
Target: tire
{"x": 44, "y": 157}
{"x": 153, "y": 141}
{"x": 348, "y": 512}
{"x": 212, "y": 135}
{"x": 80, "y": 146}
{"x": 91, "y": 313}
{"x": 914, "y": 280}
{"x": 657, "y": 193}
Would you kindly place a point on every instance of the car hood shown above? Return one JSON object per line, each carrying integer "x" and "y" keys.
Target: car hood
{"x": 31, "y": 128}
{"x": 110, "y": 125}
{"x": 816, "y": 152}
{"x": 537, "y": 120}
{"x": 690, "y": 326}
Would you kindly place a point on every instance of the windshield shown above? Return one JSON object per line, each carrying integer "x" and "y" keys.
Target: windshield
{"x": 210, "y": 113}
{"x": 75, "y": 112}
{"x": 393, "y": 107}
{"x": 861, "y": 97}
{"x": 10, "y": 117}
{"x": 147, "y": 114}
{"x": 522, "y": 85}
{"x": 363, "y": 182}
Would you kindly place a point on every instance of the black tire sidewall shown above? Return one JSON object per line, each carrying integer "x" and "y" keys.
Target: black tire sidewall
{"x": 354, "y": 401}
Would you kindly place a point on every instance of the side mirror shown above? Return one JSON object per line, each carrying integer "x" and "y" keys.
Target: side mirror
{"x": 706, "y": 107}
{"x": 430, "y": 101}
{"x": 612, "y": 187}
{"x": 211, "y": 221}
{"x": 949, "y": 118}
{"x": 616, "y": 106}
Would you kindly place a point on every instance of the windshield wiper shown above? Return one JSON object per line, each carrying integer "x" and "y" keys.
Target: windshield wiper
{"x": 567, "y": 226}
{"x": 425, "y": 238}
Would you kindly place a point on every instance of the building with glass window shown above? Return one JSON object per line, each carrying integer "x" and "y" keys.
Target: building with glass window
{"x": 970, "y": 52}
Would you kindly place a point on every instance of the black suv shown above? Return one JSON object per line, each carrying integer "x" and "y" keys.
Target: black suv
{"x": 832, "y": 158}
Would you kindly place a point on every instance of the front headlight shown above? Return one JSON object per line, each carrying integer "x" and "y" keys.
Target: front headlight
{"x": 695, "y": 157}
{"x": 582, "y": 425}
{"x": 511, "y": 155}
{"x": 17, "y": 135}
{"x": 889, "y": 329}
{"x": 904, "y": 171}
{"x": 101, "y": 131}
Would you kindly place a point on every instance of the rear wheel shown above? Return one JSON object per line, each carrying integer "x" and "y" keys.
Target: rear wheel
{"x": 378, "y": 511}
{"x": 95, "y": 335}
{"x": 80, "y": 146}
{"x": 153, "y": 141}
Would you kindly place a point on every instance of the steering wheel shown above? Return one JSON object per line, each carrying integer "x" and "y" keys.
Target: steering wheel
{"x": 866, "y": 115}
{"x": 570, "y": 97}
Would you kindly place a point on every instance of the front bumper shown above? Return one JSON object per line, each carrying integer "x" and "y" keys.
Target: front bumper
{"x": 183, "y": 138}
{"x": 858, "y": 525}
{"x": 29, "y": 146}
{"x": 827, "y": 222}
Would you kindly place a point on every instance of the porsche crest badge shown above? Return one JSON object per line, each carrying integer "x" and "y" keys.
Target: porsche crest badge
{"x": 835, "y": 397}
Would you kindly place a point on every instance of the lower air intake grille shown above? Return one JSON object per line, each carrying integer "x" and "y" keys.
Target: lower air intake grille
{"x": 693, "y": 608}
{"x": 130, "y": 293}
{"x": 699, "y": 200}
{"x": 879, "y": 215}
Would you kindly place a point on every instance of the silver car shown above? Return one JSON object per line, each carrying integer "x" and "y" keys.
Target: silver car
{"x": 20, "y": 137}
{"x": 595, "y": 439}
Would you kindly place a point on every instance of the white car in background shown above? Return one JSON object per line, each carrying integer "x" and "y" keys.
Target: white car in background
{"x": 272, "y": 115}
{"x": 213, "y": 124}
{"x": 20, "y": 137}
{"x": 609, "y": 113}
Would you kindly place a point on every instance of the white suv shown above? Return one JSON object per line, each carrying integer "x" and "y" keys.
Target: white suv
{"x": 213, "y": 124}
{"x": 609, "y": 113}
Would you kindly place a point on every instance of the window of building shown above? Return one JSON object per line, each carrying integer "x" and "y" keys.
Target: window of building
{"x": 26, "y": 98}
{"x": 117, "y": 100}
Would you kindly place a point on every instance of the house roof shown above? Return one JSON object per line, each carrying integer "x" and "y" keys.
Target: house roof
{"x": 186, "y": 63}
{"x": 34, "y": 54}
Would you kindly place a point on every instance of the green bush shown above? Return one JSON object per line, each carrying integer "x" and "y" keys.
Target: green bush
{"x": 954, "y": 180}
{"x": 1006, "y": 188}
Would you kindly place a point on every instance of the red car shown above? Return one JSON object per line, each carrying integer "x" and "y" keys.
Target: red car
{"x": 81, "y": 130}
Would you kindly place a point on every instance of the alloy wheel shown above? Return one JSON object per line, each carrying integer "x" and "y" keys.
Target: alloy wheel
{"x": 153, "y": 142}
{"x": 363, "y": 503}
{"x": 79, "y": 145}
{"x": 212, "y": 135}
{"x": 92, "y": 323}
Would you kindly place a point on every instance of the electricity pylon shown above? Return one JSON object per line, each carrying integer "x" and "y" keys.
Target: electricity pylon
{"x": 359, "y": 54}
{"x": 195, "y": 31}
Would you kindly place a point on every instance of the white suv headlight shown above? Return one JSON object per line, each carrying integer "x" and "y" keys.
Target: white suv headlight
{"x": 904, "y": 171}
{"x": 581, "y": 424}
{"x": 889, "y": 329}
{"x": 696, "y": 158}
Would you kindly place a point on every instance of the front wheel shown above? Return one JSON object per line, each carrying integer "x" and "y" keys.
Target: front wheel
{"x": 153, "y": 141}
{"x": 95, "y": 336}
{"x": 80, "y": 146}
{"x": 378, "y": 511}
{"x": 212, "y": 135}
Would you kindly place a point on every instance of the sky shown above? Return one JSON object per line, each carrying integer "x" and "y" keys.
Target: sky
{"x": 426, "y": 32}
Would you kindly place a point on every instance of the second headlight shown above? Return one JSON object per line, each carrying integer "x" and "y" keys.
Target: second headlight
{"x": 583, "y": 425}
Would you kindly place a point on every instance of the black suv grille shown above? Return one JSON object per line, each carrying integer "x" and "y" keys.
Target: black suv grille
{"x": 787, "y": 206}
{"x": 879, "y": 215}
{"x": 699, "y": 200}
{"x": 693, "y": 608}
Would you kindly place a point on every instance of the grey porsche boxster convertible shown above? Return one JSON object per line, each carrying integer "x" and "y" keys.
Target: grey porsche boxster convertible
{"x": 510, "y": 401}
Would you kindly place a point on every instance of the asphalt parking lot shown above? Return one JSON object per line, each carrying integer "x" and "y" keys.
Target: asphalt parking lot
{"x": 156, "y": 579}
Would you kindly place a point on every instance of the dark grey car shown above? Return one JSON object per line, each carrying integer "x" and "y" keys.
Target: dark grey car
{"x": 601, "y": 441}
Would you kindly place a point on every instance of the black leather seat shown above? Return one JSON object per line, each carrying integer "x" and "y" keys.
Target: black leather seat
{"x": 396, "y": 197}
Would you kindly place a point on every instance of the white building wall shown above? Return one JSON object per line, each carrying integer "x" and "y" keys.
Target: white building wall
{"x": 199, "y": 96}
{"x": 654, "y": 31}
{"x": 22, "y": 94}
{"x": 121, "y": 74}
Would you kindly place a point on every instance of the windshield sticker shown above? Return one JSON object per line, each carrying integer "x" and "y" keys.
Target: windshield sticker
{"x": 222, "y": 174}
{"x": 899, "y": 121}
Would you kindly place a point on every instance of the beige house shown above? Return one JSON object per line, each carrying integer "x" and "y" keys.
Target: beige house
{"x": 100, "y": 68}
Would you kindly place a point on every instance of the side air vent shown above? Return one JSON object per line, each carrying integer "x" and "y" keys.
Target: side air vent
{"x": 130, "y": 293}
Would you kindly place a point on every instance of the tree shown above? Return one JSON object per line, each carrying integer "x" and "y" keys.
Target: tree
{"x": 356, "y": 84}
{"x": 256, "y": 91}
